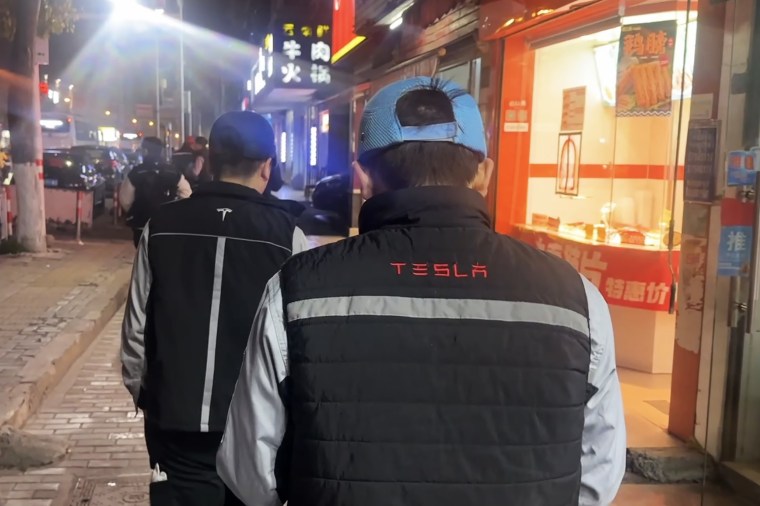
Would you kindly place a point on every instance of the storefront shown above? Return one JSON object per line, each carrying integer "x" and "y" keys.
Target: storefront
{"x": 291, "y": 73}
{"x": 595, "y": 109}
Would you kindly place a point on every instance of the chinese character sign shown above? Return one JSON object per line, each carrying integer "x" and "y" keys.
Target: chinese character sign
{"x": 645, "y": 69}
{"x": 306, "y": 52}
{"x": 626, "y": 277}
{"x": 735, "y": 252}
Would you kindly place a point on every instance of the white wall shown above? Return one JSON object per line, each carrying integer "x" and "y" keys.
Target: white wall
{"x": 607, "y": 141}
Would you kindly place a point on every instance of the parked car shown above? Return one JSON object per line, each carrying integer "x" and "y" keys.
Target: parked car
{"x": 111, "y": 163}
{"x": 332, "y": 193}
{"x": 66, "y": 170}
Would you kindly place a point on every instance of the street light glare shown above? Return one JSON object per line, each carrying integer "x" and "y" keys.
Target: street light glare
{"x": 133, "y": 9}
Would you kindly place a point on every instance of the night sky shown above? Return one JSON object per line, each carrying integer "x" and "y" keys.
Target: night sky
{"x": 102, "y": 65}
{"x": 236, "y": 18}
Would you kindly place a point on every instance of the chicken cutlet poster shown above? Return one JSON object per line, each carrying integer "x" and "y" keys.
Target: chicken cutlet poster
{"x": 645, "y": 69}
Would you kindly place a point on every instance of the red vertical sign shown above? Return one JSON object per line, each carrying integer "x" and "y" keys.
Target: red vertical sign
{"x": 343, "y": 24}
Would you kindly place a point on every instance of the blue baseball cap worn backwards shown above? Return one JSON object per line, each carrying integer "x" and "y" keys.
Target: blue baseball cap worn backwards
{"x": 381, "y": 129}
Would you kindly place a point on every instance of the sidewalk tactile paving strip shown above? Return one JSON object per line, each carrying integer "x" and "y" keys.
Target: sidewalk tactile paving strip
{"x": 114, "y": 491}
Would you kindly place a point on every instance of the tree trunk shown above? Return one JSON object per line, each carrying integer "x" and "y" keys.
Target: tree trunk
{"x": 26, "y": 136}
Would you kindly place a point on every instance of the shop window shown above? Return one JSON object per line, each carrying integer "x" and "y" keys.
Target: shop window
{"x": 595, "y": 121}
{"x": 459, "y": 74}
{"x": 604, "y": 130}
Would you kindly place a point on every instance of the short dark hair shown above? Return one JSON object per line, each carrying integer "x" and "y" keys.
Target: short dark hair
{"x": 153, "y": 146}
{"x": 225, "y": 159}
{"x": 420, "y": 163}
{"x": 201, "y": 141}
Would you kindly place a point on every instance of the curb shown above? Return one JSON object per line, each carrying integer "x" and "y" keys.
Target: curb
{"x": 54, "y": 360}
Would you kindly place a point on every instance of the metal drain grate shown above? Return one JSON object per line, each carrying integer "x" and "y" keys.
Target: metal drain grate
{"x": 112, "y": 491}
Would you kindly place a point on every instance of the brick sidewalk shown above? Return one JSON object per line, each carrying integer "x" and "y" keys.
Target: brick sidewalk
{"x": 93, "y": 412}
{"x": 51, "y": 307}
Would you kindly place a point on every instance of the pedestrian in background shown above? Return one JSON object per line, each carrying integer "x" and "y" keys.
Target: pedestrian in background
{"x": 200, "y": 269}
{"x": 187, "y": 146}
{"x": 150, "y": 185}
{"x": 428, "y": 361}
{"x": 201, "y": 170}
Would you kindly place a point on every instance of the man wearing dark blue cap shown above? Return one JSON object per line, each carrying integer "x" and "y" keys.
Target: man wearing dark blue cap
{"x": 201, "y": 267}
{"x": 428, "y": 361}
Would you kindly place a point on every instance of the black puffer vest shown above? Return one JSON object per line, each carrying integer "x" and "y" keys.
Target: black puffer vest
{"x": 434, "y": 362}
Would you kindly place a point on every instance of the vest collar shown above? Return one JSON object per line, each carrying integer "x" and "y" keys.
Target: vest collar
{"x": 240, "y": 192}
{"x": 223, "y": 189}
{"x": 425, "y": 206}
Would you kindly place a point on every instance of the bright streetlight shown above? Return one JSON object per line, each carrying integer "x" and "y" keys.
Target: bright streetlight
{"x": 133, "y": 9}
{"x": 134, "y": 121}
{"x": 108, "y": 113}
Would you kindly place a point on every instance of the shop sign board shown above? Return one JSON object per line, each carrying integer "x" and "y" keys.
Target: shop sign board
{"x": 628, "y": 277}
{"x": 645, "y": 69}
{"x": 516, "y": 116}
{"x": 573, "y": 109}
{"x": 700, "y": 161}
{"x": 735, "y": 252}
{"x": 741, "y": 168}
{"x": 295, "y": 56}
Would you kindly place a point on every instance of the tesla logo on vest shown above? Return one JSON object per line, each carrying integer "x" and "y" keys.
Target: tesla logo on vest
{"x": 224, "y": 212}
{"x": 439, "y": 270}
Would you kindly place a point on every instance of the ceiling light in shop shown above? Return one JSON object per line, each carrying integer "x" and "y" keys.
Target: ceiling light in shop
{"x": 680, "y": 16}
{"x": 396, "y": 13}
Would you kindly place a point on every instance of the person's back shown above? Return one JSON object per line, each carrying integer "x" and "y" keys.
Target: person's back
{"x": 155, "y": 184}
{"x": 150, "y": 185}
{"x": 430, "y": 361}
{"x": 201, "y": 267}
{"x": 208, "y": 254}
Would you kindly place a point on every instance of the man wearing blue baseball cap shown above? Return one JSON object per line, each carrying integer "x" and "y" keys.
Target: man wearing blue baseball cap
{"x": 201, "y": 267}
{"x": 428, "y": 361}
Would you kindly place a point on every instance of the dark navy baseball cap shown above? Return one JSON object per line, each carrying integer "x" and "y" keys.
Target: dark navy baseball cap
{"x": 381, "y": 128}
{"x": 244, "y": 134}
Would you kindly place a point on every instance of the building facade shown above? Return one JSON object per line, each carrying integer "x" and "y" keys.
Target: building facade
{"x": 613, "y": 124}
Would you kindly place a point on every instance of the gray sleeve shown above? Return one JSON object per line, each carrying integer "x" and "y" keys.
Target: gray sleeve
{"x": 604, "y": 436}
{"x": 300, "y": 242}
{"x": 133, "y": 326}
{"x": 126, "y": 194}
{"x": 257, "y": 418}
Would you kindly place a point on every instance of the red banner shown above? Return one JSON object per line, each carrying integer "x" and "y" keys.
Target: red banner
{"x": 636, "y": 278}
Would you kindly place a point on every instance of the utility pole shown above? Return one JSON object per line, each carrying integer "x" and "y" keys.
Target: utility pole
{"x": 158, "y": 88}
{"x": 26, "y": 136}
{"x": 181, "y": 4}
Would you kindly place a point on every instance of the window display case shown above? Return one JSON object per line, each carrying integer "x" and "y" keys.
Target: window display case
{"x": 600, "y": 115}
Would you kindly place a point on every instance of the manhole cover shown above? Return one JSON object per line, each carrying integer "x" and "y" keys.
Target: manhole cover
{"x": 112, "y": 491}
